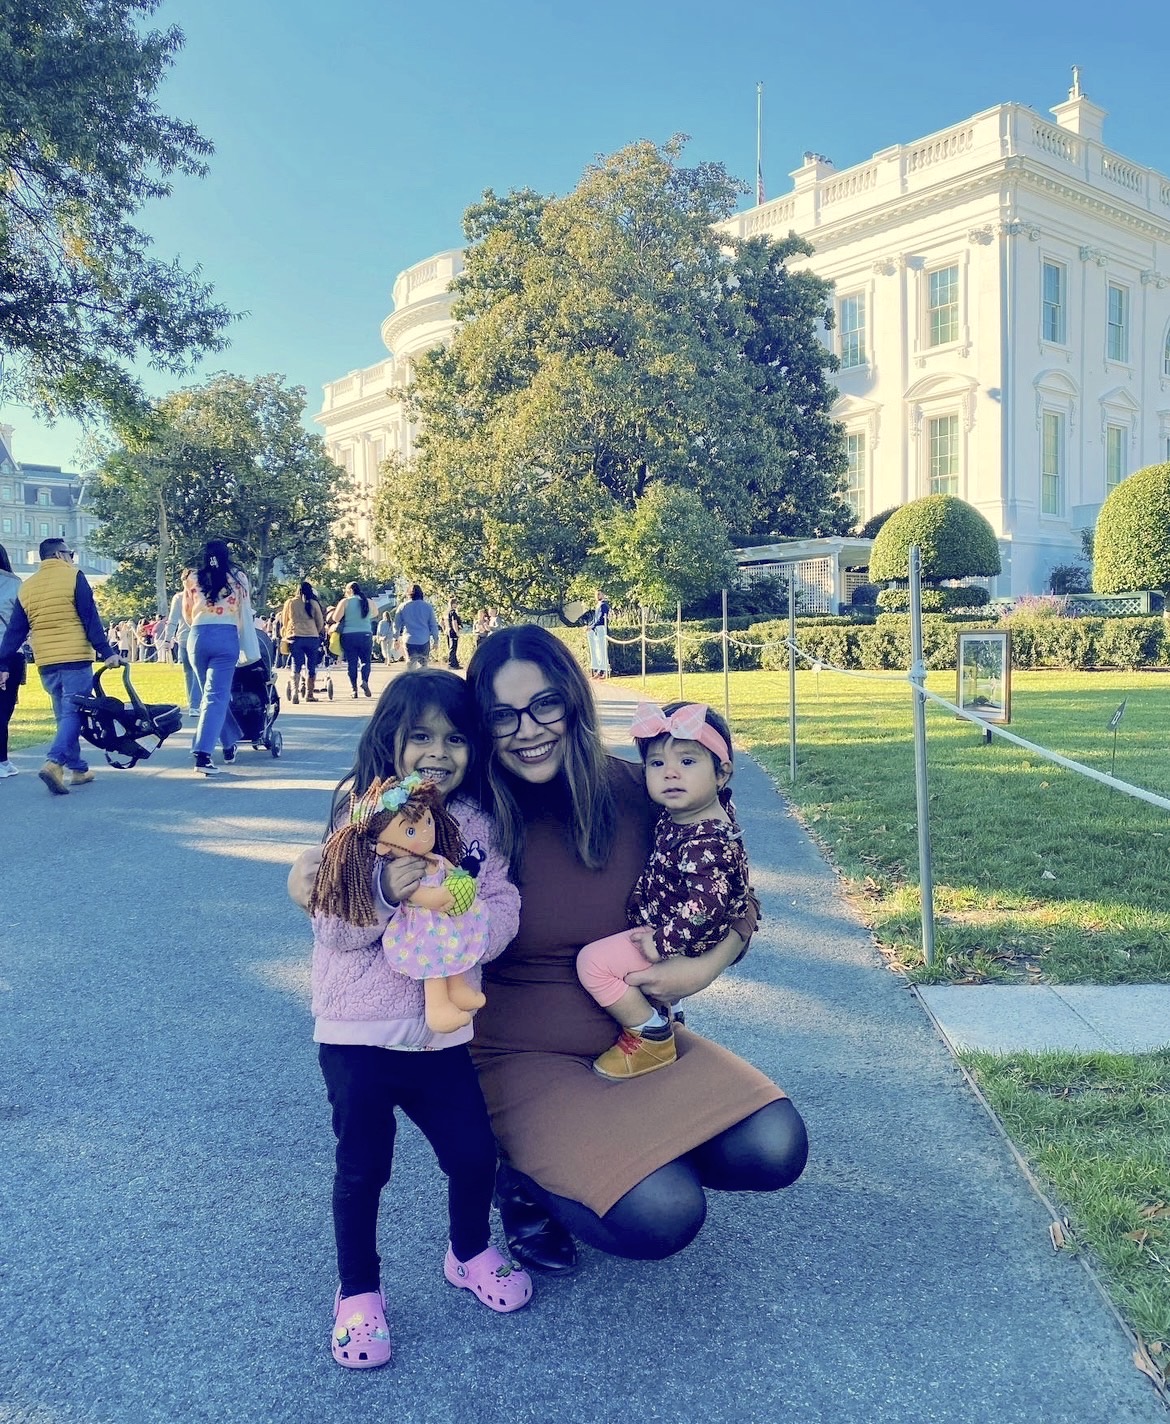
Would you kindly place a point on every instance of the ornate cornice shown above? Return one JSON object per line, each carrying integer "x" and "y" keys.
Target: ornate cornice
{"x": 988, "y": 179}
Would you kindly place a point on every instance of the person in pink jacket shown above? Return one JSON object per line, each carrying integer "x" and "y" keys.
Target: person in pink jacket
{"x": 376, "y": 1050}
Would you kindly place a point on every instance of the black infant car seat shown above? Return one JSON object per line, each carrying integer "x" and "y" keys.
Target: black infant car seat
{"x": 116, "y": 727}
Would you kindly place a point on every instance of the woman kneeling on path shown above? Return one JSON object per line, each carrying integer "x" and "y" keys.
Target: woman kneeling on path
{"x": 623, "y": 1167}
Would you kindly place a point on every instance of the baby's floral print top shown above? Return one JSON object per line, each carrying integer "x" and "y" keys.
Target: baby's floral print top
{"x": 694, "y": 885}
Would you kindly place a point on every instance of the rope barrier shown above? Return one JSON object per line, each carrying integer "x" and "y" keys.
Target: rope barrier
{"x": 820, "y": 665}
{"x": 1067, "y": 762}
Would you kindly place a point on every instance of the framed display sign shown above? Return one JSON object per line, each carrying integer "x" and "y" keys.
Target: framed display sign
{"x": 984, "y": 669}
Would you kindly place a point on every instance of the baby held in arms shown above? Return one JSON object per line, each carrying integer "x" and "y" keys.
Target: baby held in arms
{"x": 693, "y": 887}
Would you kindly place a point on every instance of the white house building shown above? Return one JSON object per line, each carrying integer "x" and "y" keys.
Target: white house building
{"x": 1002, "y": 295}
{"x": 363, "y": 417}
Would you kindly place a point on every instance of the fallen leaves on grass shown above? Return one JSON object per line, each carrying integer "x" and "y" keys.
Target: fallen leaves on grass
{"x": 1154, "y": 1362}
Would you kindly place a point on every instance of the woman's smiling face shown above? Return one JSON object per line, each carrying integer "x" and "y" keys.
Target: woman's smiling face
{"x": 535, "y": 751}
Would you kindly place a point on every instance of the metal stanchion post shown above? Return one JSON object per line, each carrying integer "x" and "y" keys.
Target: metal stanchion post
{"x": 791, "y": 683}
{"x": 726, "y": 651}
{"x": 678, "y": 646}
{"x": 643, "y": 647}
{"x": 918, "y": 678}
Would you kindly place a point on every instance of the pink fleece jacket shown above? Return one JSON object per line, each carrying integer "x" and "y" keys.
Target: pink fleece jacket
{"x": 359, "y": 998}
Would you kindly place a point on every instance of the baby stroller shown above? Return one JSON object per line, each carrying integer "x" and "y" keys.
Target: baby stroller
{"x": 255, "y": 703}
{"x": 117, "y": 728}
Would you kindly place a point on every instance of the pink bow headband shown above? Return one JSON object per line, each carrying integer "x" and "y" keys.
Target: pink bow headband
{"x": 688, "y": 724}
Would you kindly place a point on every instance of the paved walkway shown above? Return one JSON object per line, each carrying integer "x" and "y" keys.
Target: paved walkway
{"x": 165, "y": 1248}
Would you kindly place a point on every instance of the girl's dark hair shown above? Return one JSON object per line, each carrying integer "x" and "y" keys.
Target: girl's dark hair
{"x": 5, "y": 561}
{"x": 585, "y": 765}
{"x": 355, "y": 591}
{"x": 216, "y": 571}
{"x": 402, "y": 703}
{"x": 308, "y": 595}
{"x": 712, "y": 719}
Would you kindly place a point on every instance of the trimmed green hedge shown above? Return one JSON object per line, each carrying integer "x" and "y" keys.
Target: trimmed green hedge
{"x": 1037, "y": 642}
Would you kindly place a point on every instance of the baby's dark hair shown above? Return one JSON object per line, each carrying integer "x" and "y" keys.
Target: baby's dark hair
{"x": 402, "y": 703}
{"x": 712, "y": 719}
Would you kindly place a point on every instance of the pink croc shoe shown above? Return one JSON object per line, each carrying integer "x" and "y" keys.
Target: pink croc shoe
{"x": 498, "y": 1284}
{"x": 361, "y": 1337}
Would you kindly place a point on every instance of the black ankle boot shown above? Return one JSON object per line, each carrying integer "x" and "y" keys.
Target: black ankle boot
{"x": 535, "y": 1240}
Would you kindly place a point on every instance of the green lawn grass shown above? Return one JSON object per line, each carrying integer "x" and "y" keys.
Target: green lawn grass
{"x": 1039, "y": 873}
{"x": 32, "y": 723}
{"x": 1097, "y": 1129}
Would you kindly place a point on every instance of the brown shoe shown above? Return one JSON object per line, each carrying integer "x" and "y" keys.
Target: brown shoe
{"x": 81, "y": 778}
{"x": 54, "y": 778}
{"x": 636, "y": 1053}
{"x": 310, "y": 697}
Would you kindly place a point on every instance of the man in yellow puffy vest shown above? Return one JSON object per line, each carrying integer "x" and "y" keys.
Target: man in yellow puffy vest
{"x": 55, "y": 609}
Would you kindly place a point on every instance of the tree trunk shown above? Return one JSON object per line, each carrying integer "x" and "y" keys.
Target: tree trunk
{"x": 160, "y": 567}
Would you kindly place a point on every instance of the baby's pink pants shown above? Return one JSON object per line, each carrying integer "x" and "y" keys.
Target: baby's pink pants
{"x": 603, "y": 964}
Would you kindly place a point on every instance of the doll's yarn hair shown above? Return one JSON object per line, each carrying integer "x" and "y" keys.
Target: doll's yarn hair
{"x": 344, "y": 887}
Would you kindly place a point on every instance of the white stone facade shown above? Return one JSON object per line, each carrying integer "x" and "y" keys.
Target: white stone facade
{"x": 1002, "y": 293}
{"x": 364, "y": 421}
{"x": 44, "y": 502}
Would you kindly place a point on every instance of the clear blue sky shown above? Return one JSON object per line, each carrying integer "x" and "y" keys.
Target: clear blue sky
{"x": 350, "y": 138}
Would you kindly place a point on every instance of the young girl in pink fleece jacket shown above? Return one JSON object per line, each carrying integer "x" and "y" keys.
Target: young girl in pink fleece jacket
{"x": 376, "y": 1051}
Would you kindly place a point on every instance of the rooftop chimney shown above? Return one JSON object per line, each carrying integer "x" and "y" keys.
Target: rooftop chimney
{"x": 1079, "y": 114}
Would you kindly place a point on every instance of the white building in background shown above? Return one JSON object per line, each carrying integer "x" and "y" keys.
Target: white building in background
{"x": 363, "y": 418}
{"x": 44, "y": 502}
{"x": 1002, "y": 296}
{"x": 1002, "y": 293}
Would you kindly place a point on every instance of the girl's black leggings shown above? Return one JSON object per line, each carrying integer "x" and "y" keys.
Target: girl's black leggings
{"x": 664, "y": 1212}
{"x": 440, "y": 1093}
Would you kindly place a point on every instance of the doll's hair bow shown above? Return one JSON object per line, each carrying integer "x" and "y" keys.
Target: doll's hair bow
{"x": 398, "y": 796}
{"x": 687, "y": 724}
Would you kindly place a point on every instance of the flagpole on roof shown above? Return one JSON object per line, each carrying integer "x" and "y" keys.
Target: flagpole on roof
{"x": 760, "y": 143}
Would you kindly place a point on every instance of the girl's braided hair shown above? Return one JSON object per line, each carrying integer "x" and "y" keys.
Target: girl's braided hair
{"x": 344, "y": 884}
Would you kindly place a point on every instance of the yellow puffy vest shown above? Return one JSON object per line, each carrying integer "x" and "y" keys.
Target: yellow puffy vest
{"x": 47, "y": 598}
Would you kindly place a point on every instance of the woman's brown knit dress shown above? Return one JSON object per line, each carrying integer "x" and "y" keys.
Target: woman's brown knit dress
{"x": 556, "y": 1120}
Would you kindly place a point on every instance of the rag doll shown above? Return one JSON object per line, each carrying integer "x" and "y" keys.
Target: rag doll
{"x": 440, "y": 930}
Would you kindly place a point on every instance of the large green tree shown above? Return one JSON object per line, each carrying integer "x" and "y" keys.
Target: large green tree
{"x": 230, "y": 459}
{"x": 83, "y": 147}
{"x": 611, "y": 341}
{"x": 668, "y": 549}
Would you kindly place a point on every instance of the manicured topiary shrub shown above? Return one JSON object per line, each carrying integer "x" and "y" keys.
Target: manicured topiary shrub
{"x": 871, "y": 527}
{"x": 934, "y": 600}
{"x": 1131, "y": 543}
{"x": 955, "y": 539}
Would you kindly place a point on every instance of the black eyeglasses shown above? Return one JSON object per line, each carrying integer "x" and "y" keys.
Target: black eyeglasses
{"x": 547, "y": 708}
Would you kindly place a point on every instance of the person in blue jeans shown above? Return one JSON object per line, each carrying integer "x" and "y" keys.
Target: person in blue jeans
{"x": 353, "y": 620}
{"x": 216, "y": 600}
{"x": 56, "y": 611}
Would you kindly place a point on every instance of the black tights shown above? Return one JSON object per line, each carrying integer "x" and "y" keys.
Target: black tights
{"x": 664, "y": 1212}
